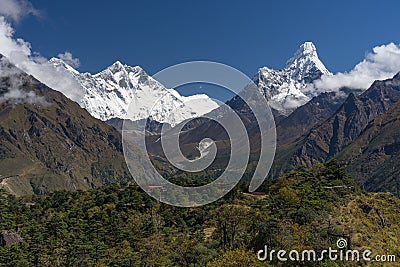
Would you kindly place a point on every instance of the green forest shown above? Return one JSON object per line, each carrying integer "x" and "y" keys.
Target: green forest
{"x": 123, "y": 226}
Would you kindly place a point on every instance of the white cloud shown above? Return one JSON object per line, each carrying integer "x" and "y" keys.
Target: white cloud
{"x": 17, "y": 9}
{"x": 382, "y": 63}
{"x": 69, "y": 59}
{"x": 14, "y": 81}
{"x": 16, "y": 96}
{"x": 19, "y": 52}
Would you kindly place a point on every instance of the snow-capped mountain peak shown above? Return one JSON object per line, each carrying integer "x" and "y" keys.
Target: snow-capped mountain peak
{"x": 305, "y": 50}
{"x": 305, "y": 64}
{"x": 118, "y": 67}
{"x": 109, "y": 93}
{"x": 59, "y": 63}
{"x": 288, "y": 88}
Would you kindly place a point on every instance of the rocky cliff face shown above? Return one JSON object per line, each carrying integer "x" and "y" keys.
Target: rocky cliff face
{"x": 373, "y": 157}
{"x": 328, "y": 139}
{"x": 304, "y": 118}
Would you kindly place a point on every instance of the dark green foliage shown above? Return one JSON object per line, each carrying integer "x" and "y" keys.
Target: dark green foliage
{"x": 113, "y": 226}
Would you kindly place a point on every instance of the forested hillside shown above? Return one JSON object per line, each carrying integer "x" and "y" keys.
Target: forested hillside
{"x": 123, "y": 226}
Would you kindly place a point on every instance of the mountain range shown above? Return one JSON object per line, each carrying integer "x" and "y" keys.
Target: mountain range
{"x": 109, "y": 93}
{"x": 59, "y": 144}
{"x": 345, "y": 124}
{"x": 352, "y": 133}
{"x": 297, "y": 105}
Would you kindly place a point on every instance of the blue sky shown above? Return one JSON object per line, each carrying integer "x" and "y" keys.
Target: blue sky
{"x": 244, "y": 34}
